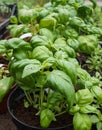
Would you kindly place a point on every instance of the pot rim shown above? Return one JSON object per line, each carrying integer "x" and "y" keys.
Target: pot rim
{"x": 22, "y": 123}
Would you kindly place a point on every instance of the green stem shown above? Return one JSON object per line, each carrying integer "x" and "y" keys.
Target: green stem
{"x": 48, "y": 95}
{"x": 28, "y": 96}
{"x": 41, "y": 99}
{"x": 60, "y": 113}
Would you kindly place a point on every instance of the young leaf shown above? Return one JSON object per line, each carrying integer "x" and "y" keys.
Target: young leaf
{"x": 46, "y": 117}
{"x": 54, "y": 98}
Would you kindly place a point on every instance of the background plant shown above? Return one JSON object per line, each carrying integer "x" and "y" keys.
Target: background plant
{"x": 95, "y": 60}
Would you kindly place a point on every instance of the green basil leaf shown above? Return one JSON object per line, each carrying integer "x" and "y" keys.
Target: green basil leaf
{"x": 30, "y": 69}
{"x": 38, "y": 40}
{"x": 74, "y": 109}
{"x": 54, "y": 97}
{"x": 59, "y": 43}
{"x": 84, "y": 96}
{"x": 5, "y": 85}
{"x": 20, "y": 54}
{"x": 17, "y": 30}
{"x": 89, "y": 109}
{"x": 22, "y": 63}
{"x": 63, "y": 14}
{"x": 61, "y": 82}
{"x": 69, "y": 68}
{"x": 94, "y": 119}
{"x": 83, "y": 74}
{"x": 27, "y": 16}
{"x": 87, "y": 43}
{"x": 76, "y": 21}
{"x": 48, "y": 22}
{"x": 2, "y": 46}
{"x": 15, "y": 43}
{"x": 99, "y": 126}
{"x": 41, "y": 53}
{"x": 46, "y": 117}
{"x": 50, "y": 62}
{"x": 73, "y": 43}
{"x": 97, "y": 92}
{"x": 70, "y": 51}
{"x": 61, "y": 55}
{"x": 70, "y": 32}
{"x": 87, "y": 11}
{"x": 47, "y": 33}
{"x": 82, "y": 122}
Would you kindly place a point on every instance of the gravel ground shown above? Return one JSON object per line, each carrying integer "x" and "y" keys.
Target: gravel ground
{"x": 6, "y": 122}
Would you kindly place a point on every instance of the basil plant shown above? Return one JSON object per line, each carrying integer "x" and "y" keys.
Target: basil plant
{"x": 46, "y": 65}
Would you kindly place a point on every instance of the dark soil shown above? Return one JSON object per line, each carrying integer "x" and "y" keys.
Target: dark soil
{"x": 21, "y": 112}
{"x": 3, "y": 60}
{"x": 82, "y": 60}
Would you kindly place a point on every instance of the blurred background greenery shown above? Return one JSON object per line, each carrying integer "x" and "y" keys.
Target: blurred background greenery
{"x": 21, "y": 3}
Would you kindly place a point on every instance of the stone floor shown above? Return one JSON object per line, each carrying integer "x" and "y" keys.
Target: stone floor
{"x": 6, "y": 122}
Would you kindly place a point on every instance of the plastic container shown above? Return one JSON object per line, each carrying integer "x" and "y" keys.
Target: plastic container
{"x": 6, "y": 10}
{"x": 16, "y": 95}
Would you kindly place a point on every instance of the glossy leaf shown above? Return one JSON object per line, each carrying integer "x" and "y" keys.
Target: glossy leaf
{"x": 69, "y": 68}
{"x": 47, "y": 33}
{"x": 30, "y": 69}
{"x": 14, "y": 43}
{"x": 61, "y": 82}
{"x": 39, "y": 40}
{"x": 41, "y": 53}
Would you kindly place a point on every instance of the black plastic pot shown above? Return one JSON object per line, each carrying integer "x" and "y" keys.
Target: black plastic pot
{"x": 3, "y": 26}
{"x": 16, "y": 95}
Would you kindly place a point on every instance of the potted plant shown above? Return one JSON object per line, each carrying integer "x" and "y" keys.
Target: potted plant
{"x": 49, "y": 76}
{"x": 47, "y": 70}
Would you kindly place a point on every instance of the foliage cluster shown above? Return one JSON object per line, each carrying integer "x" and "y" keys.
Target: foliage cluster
{"x": 46, "y": 66}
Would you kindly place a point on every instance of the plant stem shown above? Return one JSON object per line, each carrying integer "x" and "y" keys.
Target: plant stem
{"x": 28, "y": 96}
{"x": 41, "y": 99}
{"x": 60, "y": 113}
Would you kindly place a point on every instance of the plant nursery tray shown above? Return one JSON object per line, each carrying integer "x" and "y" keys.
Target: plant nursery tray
{"x": 6, "y": 10}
